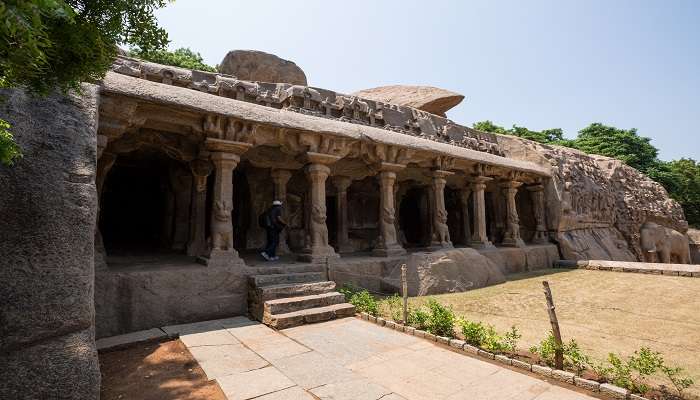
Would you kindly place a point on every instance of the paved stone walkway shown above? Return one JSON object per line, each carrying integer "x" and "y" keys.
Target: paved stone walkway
{"x": 348, "y": 359}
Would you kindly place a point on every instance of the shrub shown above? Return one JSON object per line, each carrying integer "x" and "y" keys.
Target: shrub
{"x": 511, "y": 338}
{"x": 574, "y": 358}
{"x": 364, "y": 302}
{"x": 441, "y": 320}
{"x": 474, "y": 332}
{"x": 546, "y": 350}
{"x": 418, "y": 318}
{"x": 348, "y": 289}
{"x": 393, "y": 305}
{"x": 679, "y": 382}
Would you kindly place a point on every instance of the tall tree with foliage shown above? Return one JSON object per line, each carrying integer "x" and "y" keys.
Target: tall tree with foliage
{"x": 623, "y": 144}
{"x": 57, "y": 44}
{"x": 182, "y": 57}
{"x": 547, "y": 136}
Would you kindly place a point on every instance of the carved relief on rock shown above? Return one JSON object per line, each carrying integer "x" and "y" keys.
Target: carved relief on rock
{"x": 665, "y": 245}
{"x": 221, "y": 226}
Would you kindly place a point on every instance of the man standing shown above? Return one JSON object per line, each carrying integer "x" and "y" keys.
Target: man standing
{"x": 273, "y": 224}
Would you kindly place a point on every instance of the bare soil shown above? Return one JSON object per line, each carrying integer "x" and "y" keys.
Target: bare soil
{"x": 155, "y": 371}
{"x": 604, "y": 311}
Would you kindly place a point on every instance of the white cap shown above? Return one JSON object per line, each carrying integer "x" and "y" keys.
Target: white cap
{"x": 276, "y": 203}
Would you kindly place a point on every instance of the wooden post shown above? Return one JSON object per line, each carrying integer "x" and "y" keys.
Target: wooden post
{"x": 404, "y": 292}
{"x": 559, "y": 350}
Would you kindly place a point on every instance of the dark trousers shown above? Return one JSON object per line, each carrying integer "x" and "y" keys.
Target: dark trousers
{"x": 273, "y": 239}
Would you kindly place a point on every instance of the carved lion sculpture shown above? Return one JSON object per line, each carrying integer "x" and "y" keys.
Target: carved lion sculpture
{"x": 664, "y": 243}
{"x": 441, "y": 232}
{"x": 221, "y": 226}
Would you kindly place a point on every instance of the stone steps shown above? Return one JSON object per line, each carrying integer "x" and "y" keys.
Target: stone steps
{"x": 308, "y": 316}
{"x": 286, "y": 269}
{"x": 278, "y": 279}
{"x": 284, "y": 300}
{"x": 291, "y": 304}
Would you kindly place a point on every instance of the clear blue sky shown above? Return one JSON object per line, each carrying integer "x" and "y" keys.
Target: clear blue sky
{"x": 539, "y": 64}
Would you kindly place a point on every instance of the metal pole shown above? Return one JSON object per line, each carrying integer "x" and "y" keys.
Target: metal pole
{"x": 559, "y": 350}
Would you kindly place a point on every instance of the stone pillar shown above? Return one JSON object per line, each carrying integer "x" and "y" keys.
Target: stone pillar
{"x": 511, "y": 237}
{"x": 479, "y": 238}
{"x": 441, "y": 233}
{"x": 537, "y": 195}
{"x": 222, "y": 252}
{"x": 342, "y": 183}
{"x": 197, "y": 245}
{"x": 464, "y": 203}
{"x": 281, "y": 177}
{"x": 317, "y": 171}
{"x": 388, "y": 244}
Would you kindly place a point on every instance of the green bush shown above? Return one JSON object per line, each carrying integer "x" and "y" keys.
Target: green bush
{"x": 485, "y": 336}
{"x": 418, "y": 318}
{"x": 361, "y": 299}
{"x": 574, "y": 358}
{"x": 441, "y": 320}
{"x": 677, "y": 380}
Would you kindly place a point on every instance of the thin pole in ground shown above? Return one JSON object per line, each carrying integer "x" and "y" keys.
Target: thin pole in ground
{"x": 559, "y": 349}
{"x": 404, "y": 293}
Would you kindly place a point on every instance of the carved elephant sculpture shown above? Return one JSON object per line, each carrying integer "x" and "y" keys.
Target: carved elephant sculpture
{"x": 661, "y": 244}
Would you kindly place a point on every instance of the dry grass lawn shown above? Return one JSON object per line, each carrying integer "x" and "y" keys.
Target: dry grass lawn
{"x": 604, "y": 311}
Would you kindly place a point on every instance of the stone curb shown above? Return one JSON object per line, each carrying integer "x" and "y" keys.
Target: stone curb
{"x": 593, "y": 266}
{"x": 613, "y": 391}
{"x": 129, "y": 339}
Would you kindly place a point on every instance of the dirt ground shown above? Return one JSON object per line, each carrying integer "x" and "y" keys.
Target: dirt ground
{"x": 604, "y": 311}
{"x": 155, "y": 371}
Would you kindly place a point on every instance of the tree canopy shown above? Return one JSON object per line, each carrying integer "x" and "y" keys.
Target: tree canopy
{"x": 57, "y": 44}
{"x": 182, "y": 57}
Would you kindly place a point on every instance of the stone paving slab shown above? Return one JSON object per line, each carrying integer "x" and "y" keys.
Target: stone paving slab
{"x": 115, "y": 342}
{"x": 255, "y": 383}
{"x": 350, "y": 359}
{"x": 687, "y": 270}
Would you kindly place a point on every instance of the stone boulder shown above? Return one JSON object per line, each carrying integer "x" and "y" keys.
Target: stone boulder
{"x": 447, "y": 271}
{"x": 252, "y": 65}
{"x": 694, "y": 238}
{"x": 427, "y": 98}
{"x": 48, "y": 205}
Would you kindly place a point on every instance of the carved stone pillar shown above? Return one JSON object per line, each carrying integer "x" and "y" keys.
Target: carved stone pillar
{"x": 537, "y": 195}
{"x": 464, "y": 203}
{"x": 479, "y": 238}
{"x": 281, "y": 177}
{"x": 512, "y": 233}
{"x": 222, "y": 252}
{"x": 388, "y": 244}
{"x": 197, "y": 245}
{"x": 441, "y": 233}
{"x": 342, "y": 183}
{"x": 317, "y": 171}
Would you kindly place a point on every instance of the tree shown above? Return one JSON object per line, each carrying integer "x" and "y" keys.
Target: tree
{"x": 57, "y": 44}
{"x": 681, "y": 178}
{"x": 547, "y": 136}
{"x": 625, "y": 145}
{"x": 488, "y": 126}
{"x": 182, "y": 57}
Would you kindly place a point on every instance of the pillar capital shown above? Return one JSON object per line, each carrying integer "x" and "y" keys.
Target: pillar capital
{"x": 508, "y": 184}
{"x": 478, "y": 182}
{"x": 341, "y": 183}
{"x": 440, "y": 174}
{"x": 226, "y": 146}
{"x": 318, "y": 158}
{"x": 317, "y": 170}
{"x": 538, "y": 187}
{"x": 390, "y": 167}
{"x": 280, "y": 176}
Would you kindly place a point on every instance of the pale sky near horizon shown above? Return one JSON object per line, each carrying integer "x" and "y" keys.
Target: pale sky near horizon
{"x": 539, "y": 63}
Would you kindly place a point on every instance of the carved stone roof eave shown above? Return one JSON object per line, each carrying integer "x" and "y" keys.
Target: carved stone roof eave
{"x": 149, "y": 91}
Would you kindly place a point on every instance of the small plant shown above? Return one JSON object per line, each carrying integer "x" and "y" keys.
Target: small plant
{"x": 394, "y": 306}
{"x": 441, "y": 320}
{"x": 679, "y": 382}
{"x": 474, "y": 332}
{"x": 620, "y": 372}
{"x": 546, "y": 349}
{"x": 348, "y": 289}
{"x": 511, "y": 338}
{"x": 364, "y": 302}
{"x": 575, "y": 358}
{"x": 418, "y": 318}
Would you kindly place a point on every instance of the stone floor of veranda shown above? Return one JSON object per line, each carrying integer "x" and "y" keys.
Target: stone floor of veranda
{"x": 348, "y": 359}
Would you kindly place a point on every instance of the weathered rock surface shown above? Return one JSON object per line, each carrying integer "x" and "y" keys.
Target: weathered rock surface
{"x": 597, "y": 205}
{"x": 48, "y": 207}
{"x": 694, "y": 237}
{"x": 253, "y": 65}
{"x": 448, "y": 271}
{"x": 427, "y": 98}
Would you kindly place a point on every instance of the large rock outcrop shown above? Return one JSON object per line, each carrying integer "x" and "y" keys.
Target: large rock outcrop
{"x": 253, "y": 65}
{"x": 597, "y": 205}
{"x": 448, "y": 271}
{"x": 47, "y": 207}
{"x": 427, "y": 98}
